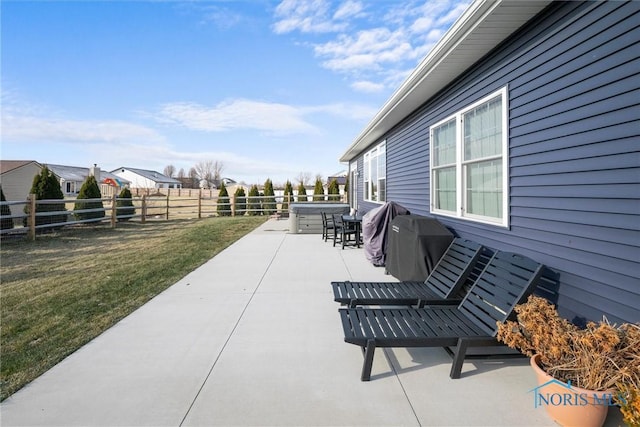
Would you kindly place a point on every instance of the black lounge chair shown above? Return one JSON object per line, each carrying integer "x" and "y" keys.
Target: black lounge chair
{"x": 448, "y": 283}
{"x": 505, "y": 282}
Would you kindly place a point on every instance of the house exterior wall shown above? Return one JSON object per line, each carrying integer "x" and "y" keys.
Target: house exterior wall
{"x": 137, "y": 181}
{"x": 16, "y": 184}
{"x": 70, "y": 188}
{"x": 572, "y": 78}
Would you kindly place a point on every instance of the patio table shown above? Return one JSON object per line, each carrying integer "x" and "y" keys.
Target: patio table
{"x": 354, "y": 221}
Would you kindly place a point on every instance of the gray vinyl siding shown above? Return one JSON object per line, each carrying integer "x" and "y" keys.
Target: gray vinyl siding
{"x": 573, "y": 78}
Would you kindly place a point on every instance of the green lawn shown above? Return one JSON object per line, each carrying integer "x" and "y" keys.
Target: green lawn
{"x": 63, "y": 289}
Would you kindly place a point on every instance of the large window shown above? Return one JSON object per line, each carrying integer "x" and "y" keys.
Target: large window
{"x": 375, "y": 174}
{"x": 469, "y": 162}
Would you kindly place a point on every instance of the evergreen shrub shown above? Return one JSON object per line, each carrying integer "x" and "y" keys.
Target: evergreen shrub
{"x": 240, "y": 202}
{"x": 253, "y": 203}
{"x": 224, "y": 204}
{"x": 288, "y": 196}
{"x": 318, "y": 191}
{"x": 46, "y": 186}
{"x": 91, "y": 192}
{"x": 302, "y": 193}
{"x": 5, "y": 211}
{"x": 334, "y": 191}
{"x": 269, "y": 202}
{"x": 124, "y": 205}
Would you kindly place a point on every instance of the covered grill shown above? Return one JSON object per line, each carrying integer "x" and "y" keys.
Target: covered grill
{"x": 416, "y": 244}
{"x": 375, "y": 225}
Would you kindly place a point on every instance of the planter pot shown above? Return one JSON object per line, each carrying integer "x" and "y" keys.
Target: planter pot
{"x": 567, "y": 405}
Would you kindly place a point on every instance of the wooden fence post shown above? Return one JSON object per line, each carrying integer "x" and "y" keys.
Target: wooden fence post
{"x": 199, "y": 204}
{"x": 144, "y": 209}
{"x": 114, "y": 211}
{"x": 31, "y": 220}
{"x": 167, "y": 216}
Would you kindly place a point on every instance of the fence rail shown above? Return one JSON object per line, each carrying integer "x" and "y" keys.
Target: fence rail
{"x": 29, "y": 216}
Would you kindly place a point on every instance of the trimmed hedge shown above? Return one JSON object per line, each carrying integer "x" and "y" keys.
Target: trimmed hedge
{"x": 124, "y": 205}
{"x": 224, "y": 204}
{"x": 46, "y": 186}
{"x": 89, "y": 190}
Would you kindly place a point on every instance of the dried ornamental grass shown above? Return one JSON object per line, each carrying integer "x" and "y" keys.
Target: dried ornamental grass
{"x": 630, "y": 407}
{"x": 599, "y": 357}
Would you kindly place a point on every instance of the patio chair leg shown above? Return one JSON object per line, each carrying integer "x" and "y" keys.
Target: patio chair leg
{"x": 458, "y": 359}
{"x": 368, "y": 360}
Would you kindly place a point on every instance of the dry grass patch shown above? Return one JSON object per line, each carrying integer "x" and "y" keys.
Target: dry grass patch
{"x": 64, "y": 289}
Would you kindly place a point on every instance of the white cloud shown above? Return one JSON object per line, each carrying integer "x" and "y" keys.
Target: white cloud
{"x": 236, "y": 114}
{"x": 367, "y": 86}
{"x": 17, "y": 127}
{"x": 349, "y": 9}
{"x": 222, "y": 18}
{"x": 394, "y": 35}
{"x": 348, "y": 111}
{"x": 307, "y": 16}
{"x": 245, "y": 114}
{"x": 236, "y": 166}
{"x": 366, "y": 50}
{"x": 453, "y": 14}
{"x": 422, "y": 24}
{"x": 24, "y": 121}
{"x": 38, "y": 132}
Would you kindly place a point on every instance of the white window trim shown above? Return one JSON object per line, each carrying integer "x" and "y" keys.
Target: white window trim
{"x": 380, "y": 150}
{"x": 353, "y": 185}
{"x": 460, "y": 187}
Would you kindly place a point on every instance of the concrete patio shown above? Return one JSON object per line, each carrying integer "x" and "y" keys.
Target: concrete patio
{"x": 253, "y": 338}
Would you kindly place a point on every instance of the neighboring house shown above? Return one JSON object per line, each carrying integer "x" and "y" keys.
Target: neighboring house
{"x": 340, "y": 177}
{"x": 71, "y": 178}
{"x": 16, "y": 179}
{"x": 215, "y": 183}
{"x": 521, "y": 130}
{"x": 142, "y": 178}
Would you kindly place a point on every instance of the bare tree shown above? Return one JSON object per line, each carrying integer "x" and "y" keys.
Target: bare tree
{"x": 218, "y": 167}
{"x": 304, "y": 178}
{"x": 209, "y": 170}
{"x": 193, "y": 174}
{"x": 169, "y": 170}
{"x": 181, "y": 174}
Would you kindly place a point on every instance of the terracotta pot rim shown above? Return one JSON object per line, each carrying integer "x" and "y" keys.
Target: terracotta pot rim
{"x": 534, "y": 361}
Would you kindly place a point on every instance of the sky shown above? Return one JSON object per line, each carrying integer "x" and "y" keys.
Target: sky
{"x": 269, "y": 89}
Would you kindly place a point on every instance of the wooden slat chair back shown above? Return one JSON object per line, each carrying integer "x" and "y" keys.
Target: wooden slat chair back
{"x": 447, "y": 283}
{"x": 452, "y": 270}
{"x": 506, "y": 281}
{"x": 342, "y": 230}
{"x": 327, "y": 225}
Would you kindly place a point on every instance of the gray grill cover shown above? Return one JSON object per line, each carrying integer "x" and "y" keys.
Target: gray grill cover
{"x": 416, "y": 244}
{"x": 374, "y": 231}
